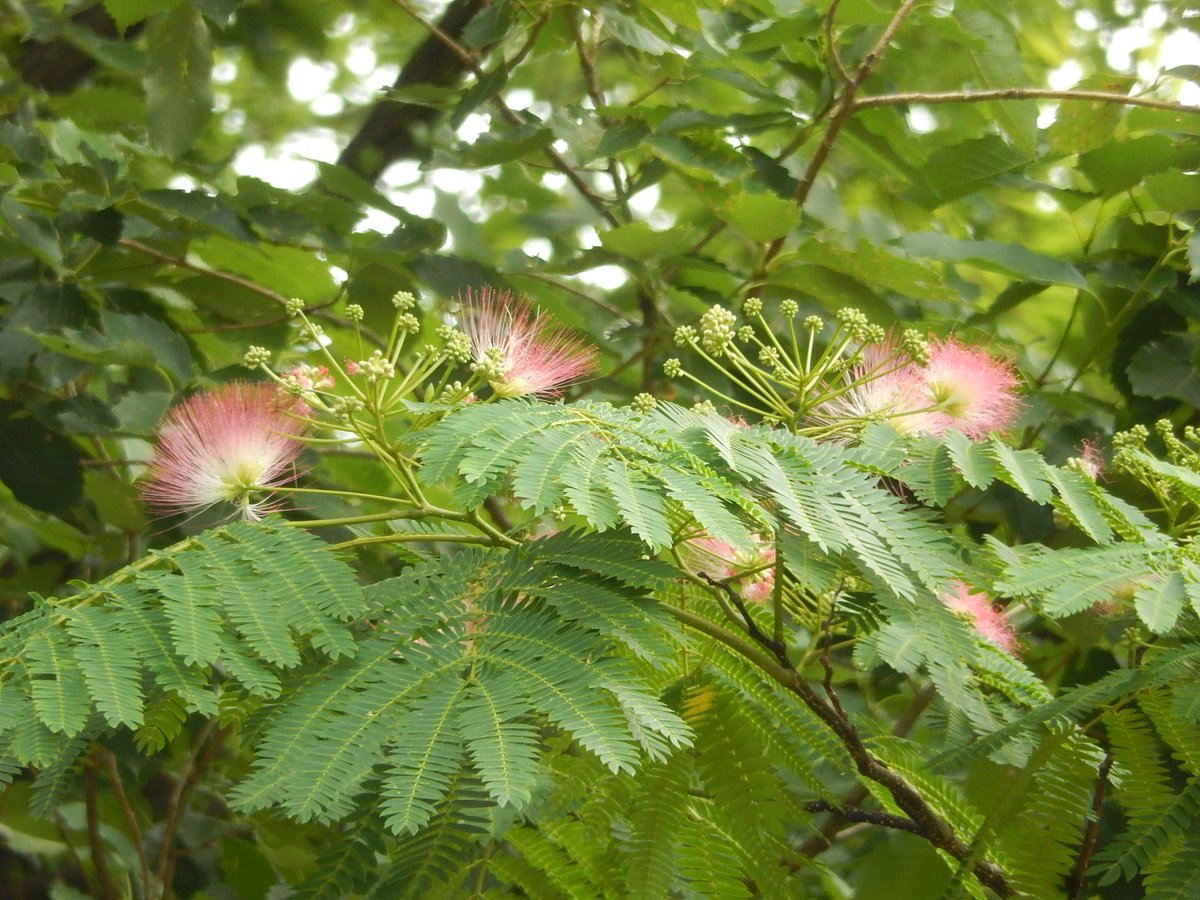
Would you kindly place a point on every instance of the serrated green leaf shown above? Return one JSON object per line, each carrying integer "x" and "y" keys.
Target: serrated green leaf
{"x": 1015, "y": 260}
{"x": 178, "y": 89}
{"x": 129, "y": 12}
{"x": 760, "y": 216}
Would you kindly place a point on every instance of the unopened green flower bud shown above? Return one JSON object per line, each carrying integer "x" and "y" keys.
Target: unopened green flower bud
{"x": 376, "y": 367}
{"x": 685, "y": 336}
{"x": 854, "y": 321}
{"x": 408, "y": 322}
{"x": 875, "y": 334}
{"x": 491, "y": 367}
{"x": 704, "y": 408}
{"x": 789, "y": 308}
{"x": 256, "y": 356}
{"x": 752, "y": 306}
{"x": 455, "y": 392}
{"x": 355, "y": 313}
{"x": 403, "y": 300}
{"x": 642, "y": 403}
{"x": 673, "y": 368}
{"x": 345, "y": 407}
{"x": 294, "y": 307}
{"x": 813, "y": 324}
{"x": 769, "y": 357}
{"x": 457, "y": 344}
{"x": 716, "y": 330}
{"x": 745, "y": 333}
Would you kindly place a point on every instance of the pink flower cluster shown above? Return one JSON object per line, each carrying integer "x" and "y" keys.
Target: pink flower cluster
{"x": 749, "y": 572}
{"x": 516, "y": 350}
{"x": 984, "y": 615}
{"x": 303, "y": 381}
{"x": 231, "y": 444}
{"x": 961, "y": 387}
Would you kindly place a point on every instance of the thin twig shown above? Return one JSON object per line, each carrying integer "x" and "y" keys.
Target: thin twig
{"x": 823, "y": 840}
{"x": 205, "y": 748}
{"x": 1075, "y": 886}
{"x": 179, "y": 262}
{"x": 471, "y": 60}
{"x": 104, "y": 883}
{"x": 831, "y": 43}
{"x": 909, "y": 799}
{"x": 1020, "y": 93}
{"x": 845, "y": 105}
{"x": 135, "y": 831}
{"x": 887, "y": 820}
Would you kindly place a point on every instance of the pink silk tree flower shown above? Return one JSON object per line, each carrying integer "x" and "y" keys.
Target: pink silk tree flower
{"x": 885, "y": 383}
{"x": 516, "y": 350}
{"x": 231, "y": 444}
{"x": 966, "y": 389}
{"x": 749, "y": 572}
{"x": 984, "y": 615}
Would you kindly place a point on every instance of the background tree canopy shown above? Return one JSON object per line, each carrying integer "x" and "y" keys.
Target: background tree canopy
{"x": 1024, "y": 174}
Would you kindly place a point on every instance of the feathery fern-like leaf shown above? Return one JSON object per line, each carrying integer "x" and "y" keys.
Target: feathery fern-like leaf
{"x": 504, "y": 750}
{"x": 110, "y": 666}
{"x": 424, "y": 757}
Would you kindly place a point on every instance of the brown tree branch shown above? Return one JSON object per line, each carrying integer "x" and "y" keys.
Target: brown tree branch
{"x": 845, "y": 106}
{"x": 390, "y": 131}
{"x": 135, "y": 831}
{"x": 104, "y": 883}
{"x": 932, "y": 826}
{"x": 208, "y": 743}
{"x": 1075, "y": 885}
{"x": 1021, "y": 93}
{"x": 847, "y": 814}
{"x": 468, "y": 59}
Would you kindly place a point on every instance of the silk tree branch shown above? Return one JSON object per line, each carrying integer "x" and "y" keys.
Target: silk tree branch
{"x": 845, "y": 105}
{"x": 1022, "y": 93}
{"x": 470, "y": 61}
{"x": 932, "y": 826}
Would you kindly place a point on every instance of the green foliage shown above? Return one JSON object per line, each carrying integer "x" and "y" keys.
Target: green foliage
{"x": 443, "y": 705}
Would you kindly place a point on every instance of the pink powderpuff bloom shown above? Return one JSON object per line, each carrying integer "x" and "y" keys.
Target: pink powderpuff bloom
{"x": 886, "y": 384}
{"x": 984, "y": 615}
{"x": 230, "y": 444}
{"x": 961, "y": 387}
{"x": 516, "y": 350}
{"x": 965, "y": 389}
{"x": 750, "y": 572}
{"x": 1090, "y": 460}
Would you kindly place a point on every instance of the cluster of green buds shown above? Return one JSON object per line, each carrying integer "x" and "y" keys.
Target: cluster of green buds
{"x": 791, "y": 380}
{"x": 1172, "y": 476}
{"x": 358, "y": 385}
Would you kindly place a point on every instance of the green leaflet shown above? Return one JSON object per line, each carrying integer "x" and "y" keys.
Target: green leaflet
{"x": 57, "y": 687}
{"x": 652, "y": 851}
{"x": 424, "y": 758}
{"x": 505, "y": 751}
{"x": 109, "y": 665}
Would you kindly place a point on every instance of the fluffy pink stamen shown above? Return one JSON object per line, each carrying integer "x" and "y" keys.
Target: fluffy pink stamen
{"x": 984, "y": 615}
{"x": 231, "y": 444}
{"x": 534, "y": 357}
{"x": 751, "y": 573}
{"x": 968, "y": 390}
